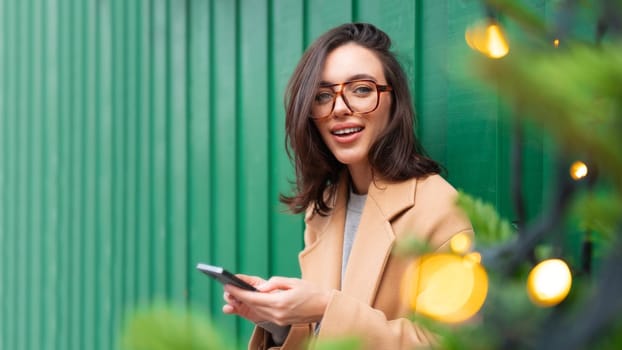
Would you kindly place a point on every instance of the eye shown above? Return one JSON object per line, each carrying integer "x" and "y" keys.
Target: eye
{"x": 362, "y": 89}
{"x": 323, "y": 97}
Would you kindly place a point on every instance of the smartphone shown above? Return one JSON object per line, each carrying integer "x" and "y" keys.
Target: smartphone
{"x": 223, "y": 276}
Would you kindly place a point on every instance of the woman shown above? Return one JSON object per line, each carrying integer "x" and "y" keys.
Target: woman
{"x": 364, "y": 182}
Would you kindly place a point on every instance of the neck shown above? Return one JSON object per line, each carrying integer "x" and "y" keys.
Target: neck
{"x": 361, "y": 176}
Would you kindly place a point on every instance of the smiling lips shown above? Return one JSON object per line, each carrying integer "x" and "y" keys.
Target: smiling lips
{"x": 347, "y": 134}
{"x": 346, "y": 131}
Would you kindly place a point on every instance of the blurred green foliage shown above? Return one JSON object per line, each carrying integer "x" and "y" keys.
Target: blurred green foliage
{"x": 598, "y": 212}
{"x": 572, "y": 92}
{"x": 166, "y": 327}
{"x": 348, "y": 343}
{"x": 488, "y": 225}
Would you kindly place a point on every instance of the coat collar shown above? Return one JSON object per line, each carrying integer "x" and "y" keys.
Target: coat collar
{"x": 321, "y": 260}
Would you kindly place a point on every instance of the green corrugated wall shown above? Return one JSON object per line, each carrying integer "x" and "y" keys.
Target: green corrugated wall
{"x": 138, "y": 137}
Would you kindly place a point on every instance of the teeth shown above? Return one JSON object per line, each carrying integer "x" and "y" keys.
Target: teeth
{"x": 346, "y": 131}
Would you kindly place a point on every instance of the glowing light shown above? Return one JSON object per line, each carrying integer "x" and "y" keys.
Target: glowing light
{"x": 549, "y": 282}
{"x": 578, "y": 170}
{"x": 556, "y": 43}
{"x": 474, "y": 257}
{"x": 445, "y": 287}
{"x": 461, "y": 243}
{"x": 487, "y": 38}
{"x": 497, "y": 45}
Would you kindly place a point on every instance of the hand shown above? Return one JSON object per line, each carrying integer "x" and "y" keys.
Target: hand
{"x": 281, "y": 300}
{"x": 235, "y": 307}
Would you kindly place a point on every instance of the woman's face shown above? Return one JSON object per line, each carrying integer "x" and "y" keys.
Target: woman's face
{"x": 349, "y": 135}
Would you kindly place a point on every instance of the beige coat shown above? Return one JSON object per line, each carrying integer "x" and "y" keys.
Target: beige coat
{"x": 369, "y": 305}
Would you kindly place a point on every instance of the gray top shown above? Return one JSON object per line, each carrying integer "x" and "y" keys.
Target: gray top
{"x": 356, "y": 202}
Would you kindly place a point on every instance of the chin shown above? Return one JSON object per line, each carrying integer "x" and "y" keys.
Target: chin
{"x": 349, "y": 159}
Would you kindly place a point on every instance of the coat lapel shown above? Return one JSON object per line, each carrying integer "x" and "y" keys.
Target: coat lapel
{"x": 320, "y": 262}
{"x": 375, "y": 237}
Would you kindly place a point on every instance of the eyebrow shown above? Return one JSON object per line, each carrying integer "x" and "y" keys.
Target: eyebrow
{"x": 361, "y": 76}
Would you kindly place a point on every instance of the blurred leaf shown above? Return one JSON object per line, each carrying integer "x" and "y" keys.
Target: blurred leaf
{"x": 544, "y": 251}
{"x": 612, "y": 338}
{"x": 599, "y": 213}
{"x": 164, "y": 327}
{"x": 489, "y": 227}
{"x": 349, "y": 343}
{"x": 411, "y": 246}
{"x": 521, "y": 14}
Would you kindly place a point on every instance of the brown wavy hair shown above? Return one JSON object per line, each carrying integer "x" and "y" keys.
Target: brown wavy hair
{"x": 396, "y": 155}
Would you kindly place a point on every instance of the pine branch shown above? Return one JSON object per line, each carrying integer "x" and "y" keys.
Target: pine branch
{"x": 489, "y": 227}
{"x": 508, "y": 257}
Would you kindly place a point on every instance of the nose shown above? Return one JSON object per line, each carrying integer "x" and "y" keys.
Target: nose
{"x": 341, "y": 108}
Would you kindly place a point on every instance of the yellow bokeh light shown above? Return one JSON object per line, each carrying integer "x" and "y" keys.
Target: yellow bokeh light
{"x": 461, "y": 243}
{"x": 497, "y": 45}
{"x": 578, "y": 170}
{"x": 556, "y": 43}
{"x": 474, "y": 257}
{"x": 549, "y": 282}
{"x": 487, "y": 38}
{"x": 445, "y": 287}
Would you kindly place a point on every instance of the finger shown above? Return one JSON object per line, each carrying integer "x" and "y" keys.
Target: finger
{"x": 274, "y": 283}
{"x": 252, "y": 280}
{"x": 228, "y": 309}
{"x": 253, "y": 299}
{"x": 230, "y": 299}
{"x": 238, "y": 296}
{"x": 235, "y": 291}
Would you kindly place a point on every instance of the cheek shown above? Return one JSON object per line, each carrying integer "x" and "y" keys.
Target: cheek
{"x": 384, "y": 112}
{"x": 322, "y": 129}
{"x": 387, "y": 104}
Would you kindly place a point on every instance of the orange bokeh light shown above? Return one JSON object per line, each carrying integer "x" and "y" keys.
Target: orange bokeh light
{"x": 445, "y": 287}
{"x": 487, "y": 38}
{"x": 578, "y": 170}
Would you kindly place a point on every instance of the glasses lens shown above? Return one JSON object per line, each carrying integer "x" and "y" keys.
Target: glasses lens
{"x": 323, "y": 102}
{"x": 361, "y": 96}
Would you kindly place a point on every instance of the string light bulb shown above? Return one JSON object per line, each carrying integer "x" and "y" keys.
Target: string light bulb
{"x": 474, "y": 257}
{"x": 488, "y": 38}
{"x": 578, "y": 170}
{"x": 549, "y": 282}
{"x": 556, "y": 43}
{"x": 461, "y": 243}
